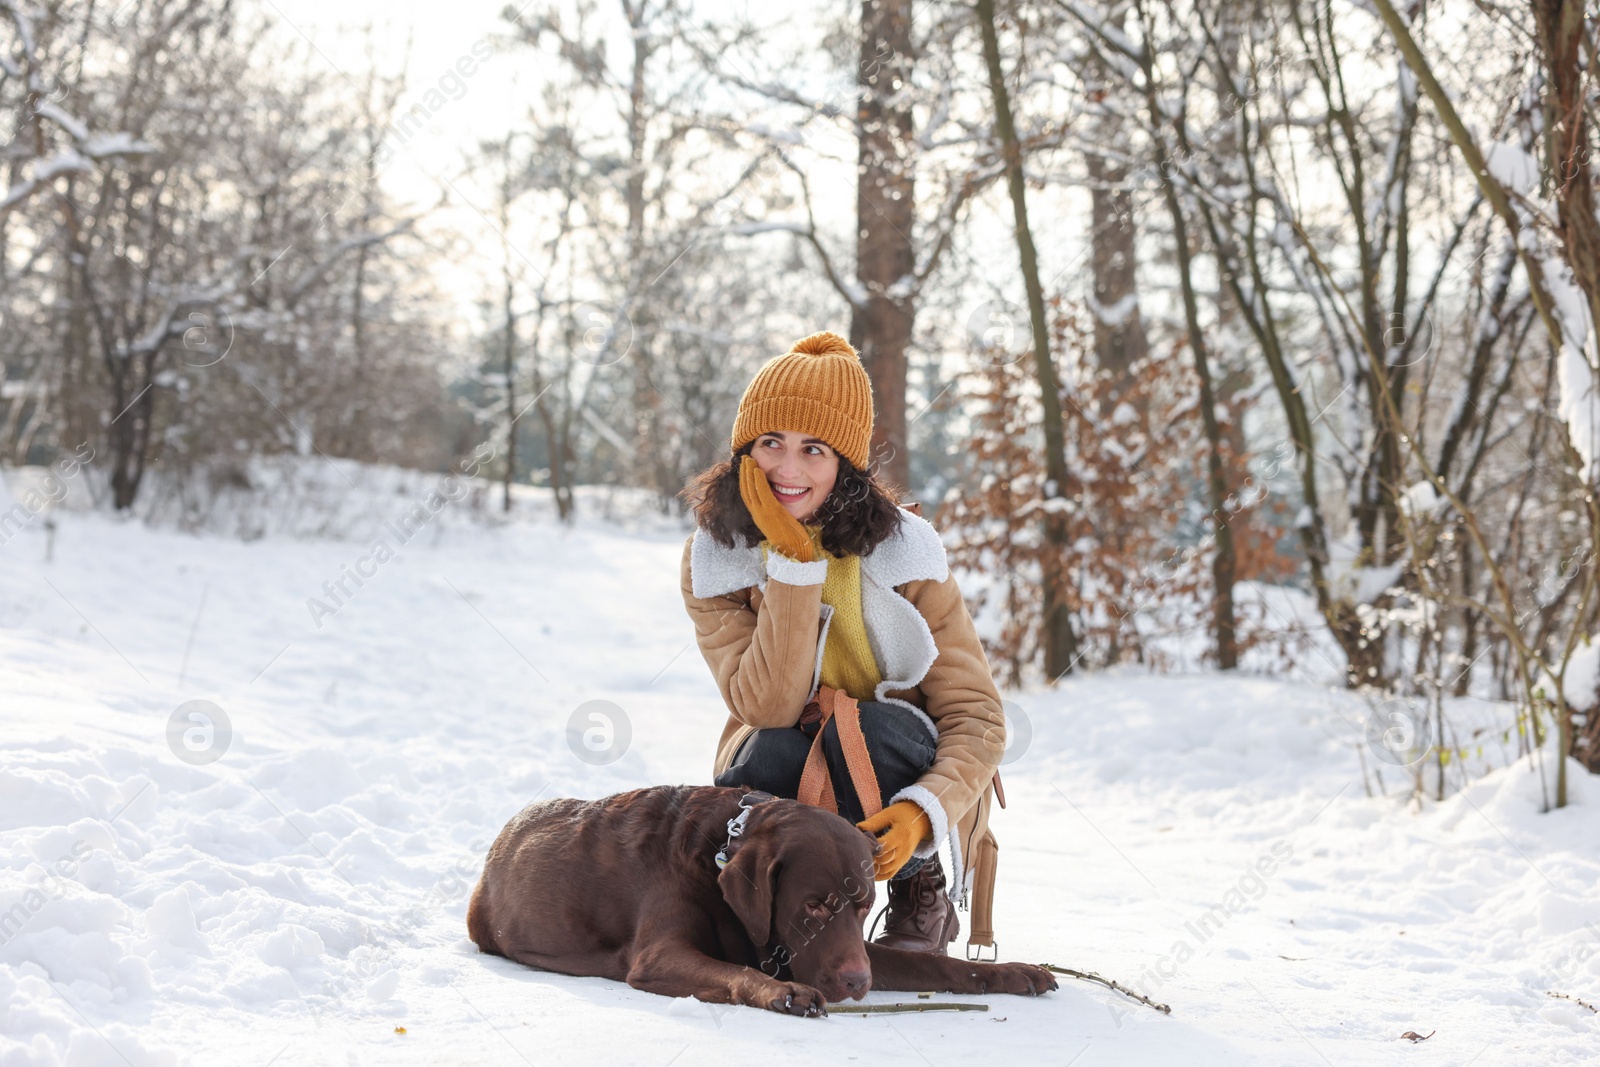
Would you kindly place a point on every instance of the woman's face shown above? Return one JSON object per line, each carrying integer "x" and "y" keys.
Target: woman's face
{"x": 800, "y": 469}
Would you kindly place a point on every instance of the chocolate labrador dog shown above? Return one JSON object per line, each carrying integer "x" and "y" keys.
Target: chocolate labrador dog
{"x": 700, "y": 891}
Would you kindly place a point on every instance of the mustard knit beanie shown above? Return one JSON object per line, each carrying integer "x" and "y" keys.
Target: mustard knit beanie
{"x": 818, "y": 388}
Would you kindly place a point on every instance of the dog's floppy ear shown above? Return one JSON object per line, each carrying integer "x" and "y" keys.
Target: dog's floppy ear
{"x": 748, "y": 884}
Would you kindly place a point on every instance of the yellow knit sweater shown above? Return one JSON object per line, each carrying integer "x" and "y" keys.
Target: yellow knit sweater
{"x": 847, "y": 659}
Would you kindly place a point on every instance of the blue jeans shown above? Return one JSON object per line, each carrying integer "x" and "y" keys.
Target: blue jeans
{"x": 899, "y": 745}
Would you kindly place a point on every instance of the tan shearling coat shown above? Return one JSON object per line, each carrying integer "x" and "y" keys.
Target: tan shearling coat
{"x": 762, "y": 626}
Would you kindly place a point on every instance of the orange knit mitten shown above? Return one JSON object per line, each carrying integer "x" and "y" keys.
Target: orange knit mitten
{"x": 899, "y": 828}
{"x": 783, "y": 531}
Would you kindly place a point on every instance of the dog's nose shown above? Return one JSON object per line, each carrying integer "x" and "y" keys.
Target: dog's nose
{"x": 856, "y": 982}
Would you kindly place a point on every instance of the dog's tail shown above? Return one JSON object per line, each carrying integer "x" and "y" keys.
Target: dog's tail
{"x": 479, "y": 927}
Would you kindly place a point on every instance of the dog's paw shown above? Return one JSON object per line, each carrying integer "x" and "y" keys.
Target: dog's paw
{"x": 1023, "y": 979}
{"x": 792, "y": 998}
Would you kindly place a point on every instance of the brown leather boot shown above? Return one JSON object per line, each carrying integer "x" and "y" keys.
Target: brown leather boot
{"x": 921, "y": 917}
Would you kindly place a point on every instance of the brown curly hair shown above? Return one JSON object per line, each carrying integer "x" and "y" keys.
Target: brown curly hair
{"x": 858, "y": 515}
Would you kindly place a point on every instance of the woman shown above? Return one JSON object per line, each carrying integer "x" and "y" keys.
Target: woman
{"x": 804, "y": 575}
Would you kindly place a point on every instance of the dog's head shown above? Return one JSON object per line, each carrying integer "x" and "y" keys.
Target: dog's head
{"x": 800, "y": 880}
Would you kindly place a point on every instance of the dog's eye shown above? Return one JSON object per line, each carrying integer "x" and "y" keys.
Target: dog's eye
{"x": 818, "y": 909}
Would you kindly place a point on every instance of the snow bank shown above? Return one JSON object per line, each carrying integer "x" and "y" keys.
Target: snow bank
{"x": 337, "y": 499}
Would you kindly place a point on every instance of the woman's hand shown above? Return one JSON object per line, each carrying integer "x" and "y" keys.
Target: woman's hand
{"x": 899, "y": 828}
{"x": 781, "y": 529}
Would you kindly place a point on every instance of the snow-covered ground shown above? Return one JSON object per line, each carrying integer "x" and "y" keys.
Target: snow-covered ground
{"x": 300, "y": 898}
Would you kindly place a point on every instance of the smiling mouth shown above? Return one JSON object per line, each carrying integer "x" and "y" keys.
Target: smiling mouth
{"x": 786, "y": 493}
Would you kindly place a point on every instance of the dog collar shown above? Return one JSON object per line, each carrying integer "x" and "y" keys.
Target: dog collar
{"x": 736, "y": 824}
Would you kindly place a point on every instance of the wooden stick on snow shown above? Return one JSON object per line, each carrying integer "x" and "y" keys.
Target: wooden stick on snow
{"x": 1090, "y": 976}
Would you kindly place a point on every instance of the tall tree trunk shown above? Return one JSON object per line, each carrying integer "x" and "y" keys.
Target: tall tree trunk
{"x": 129, "y": 373}
{"x": 1119, "y": 338}
{"x": 509, "y": 356}
{"x": 509, "y": 348}
{"x": 1222, "y": 560}
{"x": 652, "y": 428}
{"x": 1562, "y": 34}
{"x": 1061, "y": 644}
{"x": 885, "y": 214}
{"x": 1120, "y": 344}
{"x": 1233, "y": 20}
{"x": 133, "y": 394}
{"x": 1560, "y": 26}
{"x": 558, "y": 438}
